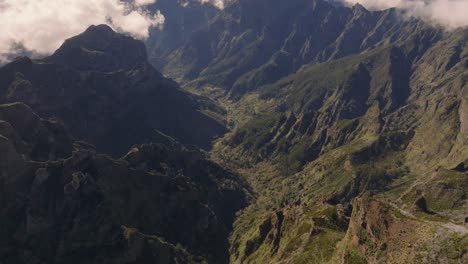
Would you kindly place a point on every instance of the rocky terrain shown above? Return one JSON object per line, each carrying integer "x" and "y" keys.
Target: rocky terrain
{"x": 62, "y": 202}
{"x": 334, "y": 134}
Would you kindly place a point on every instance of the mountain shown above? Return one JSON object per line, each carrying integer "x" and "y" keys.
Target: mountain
{"x": 348, "y": 124}
{"x": 181, "y": 19}
{"x": 353, "y": 150}
{"x": 346, "y": 140}
{"x": 102, "y": 87}
{"x": 256, "y": 42}
{"x": 62, "y": 202}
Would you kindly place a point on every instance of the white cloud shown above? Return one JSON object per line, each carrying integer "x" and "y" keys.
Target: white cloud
{"x": 40, "y": 26}
{"x": 217, "y": 3}
{"x": 449, "y": 13}
{"x": 145, "y": 2}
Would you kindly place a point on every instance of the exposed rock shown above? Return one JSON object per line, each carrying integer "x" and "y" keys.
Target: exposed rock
{"x": 180, "y": 205}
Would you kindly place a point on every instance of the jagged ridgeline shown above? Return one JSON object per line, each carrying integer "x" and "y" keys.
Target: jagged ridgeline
{"x": 251, "y": 43}
{"x": 334, "y": 134}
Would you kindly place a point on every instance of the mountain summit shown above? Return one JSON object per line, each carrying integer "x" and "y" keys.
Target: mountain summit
{"x": 101, "y": 49}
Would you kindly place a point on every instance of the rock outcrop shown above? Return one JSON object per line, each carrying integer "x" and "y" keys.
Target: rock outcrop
{"x": 65, "y": 203}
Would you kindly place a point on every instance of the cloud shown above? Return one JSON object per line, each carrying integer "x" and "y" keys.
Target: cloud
{"x": 40, "y": 26}
{"x": 448, "y": 13}
{"x": 217, "y": 3}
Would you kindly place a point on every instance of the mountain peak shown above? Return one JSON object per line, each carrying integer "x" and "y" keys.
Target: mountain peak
{"x": 359, "y": 9}
{"x": 100, "y": 48}
{"x": 102, "y": 28}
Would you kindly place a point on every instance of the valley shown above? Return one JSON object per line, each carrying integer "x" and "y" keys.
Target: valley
{"x": 303, "y": 131}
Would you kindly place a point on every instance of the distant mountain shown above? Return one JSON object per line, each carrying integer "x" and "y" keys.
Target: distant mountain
{"x": 101, "y": 85}
{"x": 256, "y": 42}
{"x": 182, "y": 18}
{"x": 61, "y": 202}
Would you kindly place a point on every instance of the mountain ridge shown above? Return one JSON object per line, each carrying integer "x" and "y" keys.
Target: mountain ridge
{"x": 239, "y": 55}
{"x": 100, "y": 90}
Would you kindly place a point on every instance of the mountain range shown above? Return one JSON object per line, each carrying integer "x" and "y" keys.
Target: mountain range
{"x": 299, "y": 131}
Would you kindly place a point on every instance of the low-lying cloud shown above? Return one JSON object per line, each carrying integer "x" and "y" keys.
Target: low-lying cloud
{"x": 217, "y": 3}
{"x": 40, "y": 26}
{"x": 448, "y": 13}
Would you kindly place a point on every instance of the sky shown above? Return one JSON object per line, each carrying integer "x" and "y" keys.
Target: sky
{"x": 40, "y": 26}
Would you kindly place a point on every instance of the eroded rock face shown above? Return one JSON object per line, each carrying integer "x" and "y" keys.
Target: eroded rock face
{"x": 381, "y": 232}
{"x": 155, "y": 204}
{"x": 36, "y": 138}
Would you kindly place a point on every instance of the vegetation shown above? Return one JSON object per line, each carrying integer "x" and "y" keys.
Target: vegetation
{"x": 348, "y": 141}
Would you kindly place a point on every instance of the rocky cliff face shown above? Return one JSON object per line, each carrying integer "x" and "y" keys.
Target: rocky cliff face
{"x": 100, "y": 84}
{"x": 68, "y": 204}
